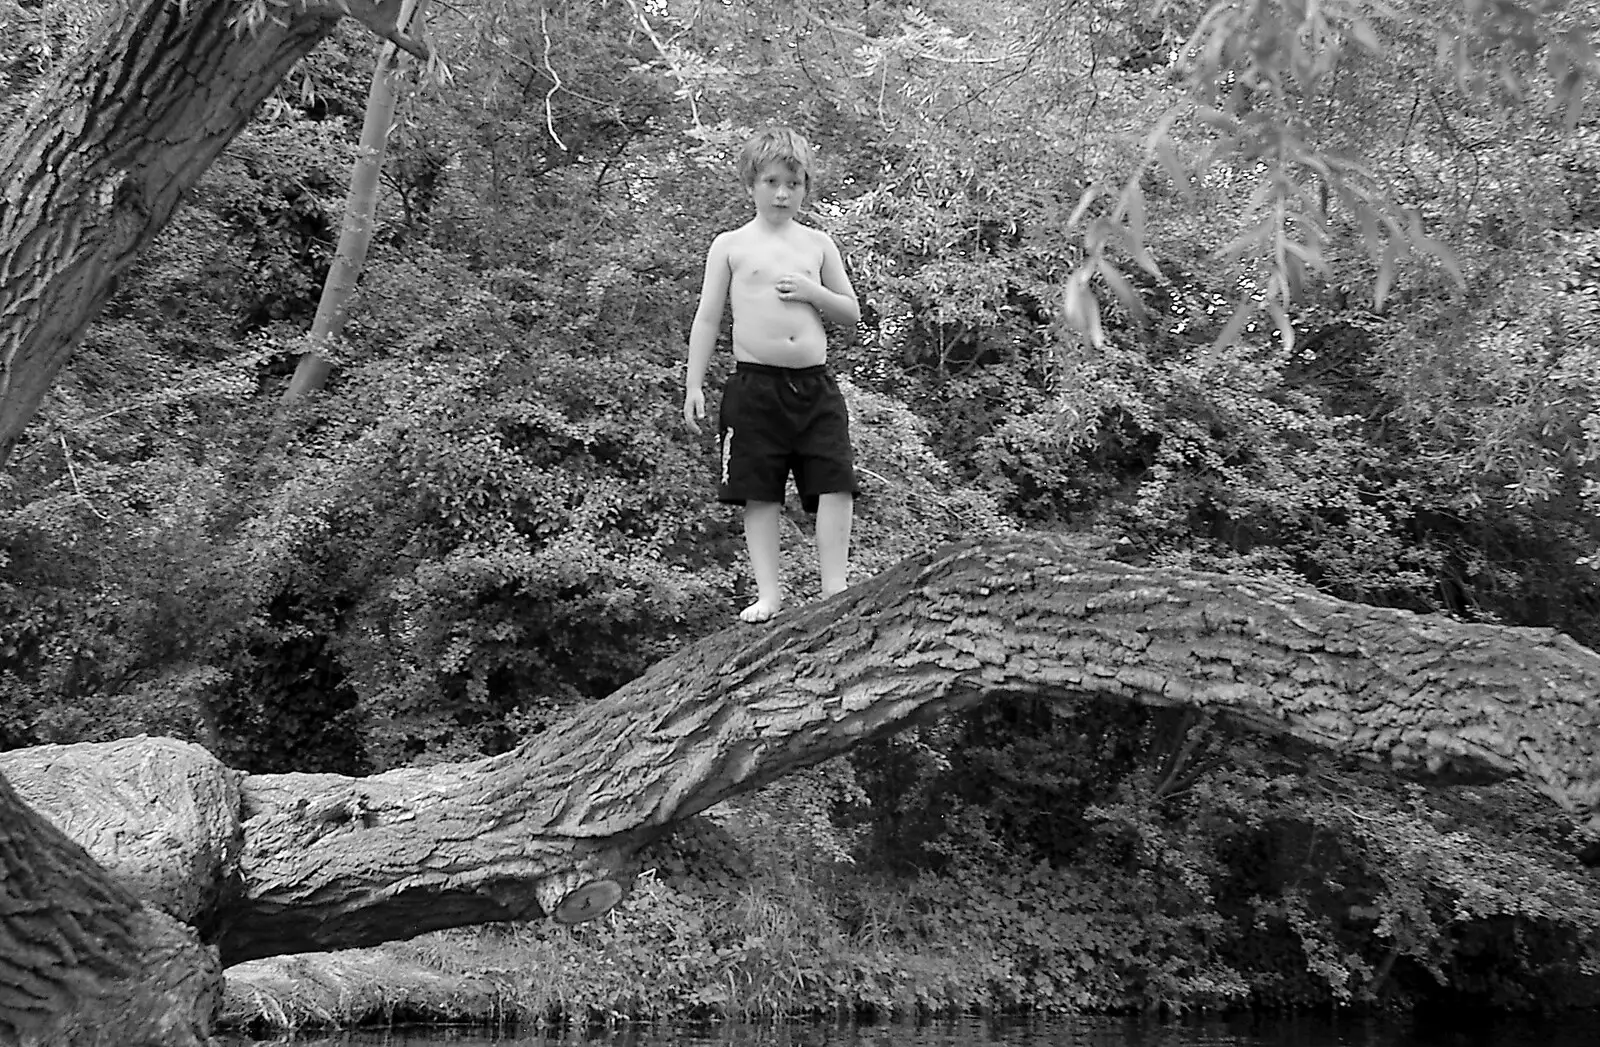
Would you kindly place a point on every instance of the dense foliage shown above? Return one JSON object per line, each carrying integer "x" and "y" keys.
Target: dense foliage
{"x": 1268, "y": 287}
{"x": 1106, "y": 859}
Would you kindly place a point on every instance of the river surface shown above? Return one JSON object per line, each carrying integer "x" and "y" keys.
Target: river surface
{"x": 1054, "y": 1032}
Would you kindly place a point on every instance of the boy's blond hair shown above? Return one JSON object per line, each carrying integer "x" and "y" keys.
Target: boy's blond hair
{"x": 775, "y": 144}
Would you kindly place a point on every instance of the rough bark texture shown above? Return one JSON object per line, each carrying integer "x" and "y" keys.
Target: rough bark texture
{"x": 94, "y": 169}
{"x": 332, "y": 862}
{"x": 160, "y": 815}
{"x": 82, "y": 961}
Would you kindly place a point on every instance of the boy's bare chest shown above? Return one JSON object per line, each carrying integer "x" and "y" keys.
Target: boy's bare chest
{"x": 762, "y": 263}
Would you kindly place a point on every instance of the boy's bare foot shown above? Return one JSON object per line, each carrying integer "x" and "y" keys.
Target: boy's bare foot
{"x": 760, "y": 611}
{"x": 833, "y": 592}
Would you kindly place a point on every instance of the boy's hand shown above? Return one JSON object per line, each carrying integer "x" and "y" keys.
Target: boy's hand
{"x": 797, "y": 287}
{"x": 694, "y": 408}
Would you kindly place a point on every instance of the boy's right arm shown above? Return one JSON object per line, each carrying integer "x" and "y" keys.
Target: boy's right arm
{"x": 703, "y": 334}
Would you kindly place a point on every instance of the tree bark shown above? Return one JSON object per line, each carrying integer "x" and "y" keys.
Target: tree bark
{"x": 95, "y": 167}
{"x": 82, "y": 961}
{"x": 160, "y": 815}
{"x": 331, "y": 861}
{"x": 328, "y": 861}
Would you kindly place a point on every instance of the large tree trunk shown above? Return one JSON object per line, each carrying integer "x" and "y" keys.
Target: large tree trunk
{"x": 82, "y": 961}
{"x": 329, "y": 861}
{"x": 161, "y": 816}
{"x": 95, "y": 167}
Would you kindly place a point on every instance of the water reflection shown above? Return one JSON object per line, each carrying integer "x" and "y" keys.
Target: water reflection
{"x": 1054, "y": 1032}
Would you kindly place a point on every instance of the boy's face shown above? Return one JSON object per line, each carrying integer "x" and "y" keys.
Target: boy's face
{"x": 778, "y": 191}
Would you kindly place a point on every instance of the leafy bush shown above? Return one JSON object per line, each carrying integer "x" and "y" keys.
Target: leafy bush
{"x": 737, "y": 916}
{"x": 1122, "y": 858}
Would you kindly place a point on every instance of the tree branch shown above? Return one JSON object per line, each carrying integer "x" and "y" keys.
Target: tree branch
{"x": 384, "y": 18}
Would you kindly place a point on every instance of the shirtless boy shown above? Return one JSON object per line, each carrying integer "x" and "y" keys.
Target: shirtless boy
{"x": 781, "y": 409}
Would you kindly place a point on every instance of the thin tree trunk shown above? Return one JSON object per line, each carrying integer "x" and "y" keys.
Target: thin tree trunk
{"x": 95, "y": 167}
{"x": 356, "y": 235}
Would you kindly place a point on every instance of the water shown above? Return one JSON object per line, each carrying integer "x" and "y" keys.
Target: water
{"x": 1054, "y": 1032}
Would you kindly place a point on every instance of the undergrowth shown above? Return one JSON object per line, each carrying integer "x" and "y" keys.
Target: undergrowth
{"x": 1145, "y": 868}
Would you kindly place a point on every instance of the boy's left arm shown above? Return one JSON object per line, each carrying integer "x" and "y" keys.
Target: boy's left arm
{"x": 832, "y": 296}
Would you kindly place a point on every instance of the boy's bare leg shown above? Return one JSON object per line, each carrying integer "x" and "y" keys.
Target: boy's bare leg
{"x": 761, "y": 539}
{"x": 834, "y": 515}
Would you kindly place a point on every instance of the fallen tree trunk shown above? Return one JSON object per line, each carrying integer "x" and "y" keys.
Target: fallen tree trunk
{"x": 328, "y": 861}
{"x": 331, "y": 861}
{"x": 359, "y": 986}
{"x": 160, "y": 815}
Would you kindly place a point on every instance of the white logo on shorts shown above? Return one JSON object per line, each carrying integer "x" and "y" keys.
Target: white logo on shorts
{"x": 727, "y": 453}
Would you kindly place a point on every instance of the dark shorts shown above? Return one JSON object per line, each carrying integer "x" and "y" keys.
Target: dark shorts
{"x": 780, "y": 420}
